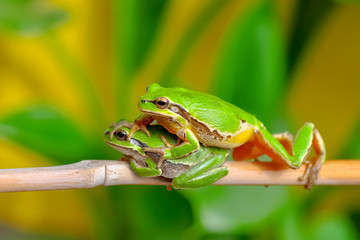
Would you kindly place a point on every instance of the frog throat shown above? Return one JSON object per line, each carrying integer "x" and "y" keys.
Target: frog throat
{"x": 127, "y": 151}
{"x": 133, "y": 142}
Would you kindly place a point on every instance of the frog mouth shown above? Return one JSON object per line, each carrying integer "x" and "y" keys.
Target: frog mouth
{"x": 133, "y": 141}
{"x": 145, "y": 101}
{"x": 124, "y": 150}
{"x": 154, "y": 113}
{"x": 132, "y": 152}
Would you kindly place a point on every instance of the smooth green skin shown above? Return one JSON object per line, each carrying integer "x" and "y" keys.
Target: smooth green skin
{"x": 205, "y": 165}
{"x": 223, "y": 117}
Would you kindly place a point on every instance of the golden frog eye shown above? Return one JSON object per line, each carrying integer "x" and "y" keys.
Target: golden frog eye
{"x": 162, "y": 102}
{"x": 121, "y": 135}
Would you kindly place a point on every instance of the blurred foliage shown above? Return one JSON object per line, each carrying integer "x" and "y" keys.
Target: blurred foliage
{"x": 70, "y": 68}
{"x": 352, "y": 149}
{"x": 35, "y": 125}
{"x": 29, "y": 17}
{"x": 243, "y": 53}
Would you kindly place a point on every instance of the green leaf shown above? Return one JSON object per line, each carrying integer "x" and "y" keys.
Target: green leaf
{"x": 136, "y": 25}
{"x": 29, "y": 17}
{"x": 251, "y": 63}
{"x": 46, "y": 130}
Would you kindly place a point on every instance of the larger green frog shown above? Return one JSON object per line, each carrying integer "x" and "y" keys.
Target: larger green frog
{"x": 197, "y": 117}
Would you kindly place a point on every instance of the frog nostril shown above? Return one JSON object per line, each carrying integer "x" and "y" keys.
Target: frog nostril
{"x": 143, "y": 101}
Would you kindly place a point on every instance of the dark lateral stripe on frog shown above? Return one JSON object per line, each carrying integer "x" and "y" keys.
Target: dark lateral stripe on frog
{"x": 201, "y": 128}
{"x": 138, "y": 143}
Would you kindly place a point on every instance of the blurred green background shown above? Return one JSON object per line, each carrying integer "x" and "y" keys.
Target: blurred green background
{"x": 68, "y": 69}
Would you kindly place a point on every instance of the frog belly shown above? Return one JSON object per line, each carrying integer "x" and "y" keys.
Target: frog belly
{"x": 226, "y": 141}
{"x": 207, "y": 136}
{"x": 168, "y": 123}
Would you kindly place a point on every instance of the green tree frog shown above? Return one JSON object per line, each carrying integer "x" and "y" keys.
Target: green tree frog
{"x": 197, "y": 117}
{"x": 201, "y": 168}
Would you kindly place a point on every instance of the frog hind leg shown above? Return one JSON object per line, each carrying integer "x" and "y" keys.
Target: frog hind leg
{"x": 249, "y": 150}
{"x": 286, "y": 139}
{"x": 307, "y": 137}
{"x": 315, "y": 162}
{"x": 204, "y": 173}
{"x": 189, "y": 145}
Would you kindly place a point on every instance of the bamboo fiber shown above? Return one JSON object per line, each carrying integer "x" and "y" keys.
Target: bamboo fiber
{"x": 92, "y": 173}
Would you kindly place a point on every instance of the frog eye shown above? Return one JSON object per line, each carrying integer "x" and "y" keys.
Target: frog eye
{"x": 162, "y": 102}
{"x": 121, "y": 135}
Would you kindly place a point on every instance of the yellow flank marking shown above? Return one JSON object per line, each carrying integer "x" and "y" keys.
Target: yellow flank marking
{"x": 242, "y": 137}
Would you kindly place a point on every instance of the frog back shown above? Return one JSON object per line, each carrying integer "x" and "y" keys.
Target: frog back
{"x": 210, "y": 110}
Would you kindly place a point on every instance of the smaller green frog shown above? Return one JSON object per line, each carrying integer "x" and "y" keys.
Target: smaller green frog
{"x": 200, "y": 168}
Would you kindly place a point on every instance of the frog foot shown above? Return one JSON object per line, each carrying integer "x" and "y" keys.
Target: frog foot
{"x": 161, "y": 150}
{"x": 306, "y": 173}
{"x": 132, "y": 126}
{"x": 164, "y": 153}
{"x": 167, "y": 143}
{"x": 312, "y": 172}
{"x": 123, "y": 159}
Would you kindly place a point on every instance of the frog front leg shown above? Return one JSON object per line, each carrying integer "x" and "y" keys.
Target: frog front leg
{"x": 138, "y": 124}
{"x": 150, "y": 171}
{"x": 190, "y": 145}
{"x": 204, "y": 173}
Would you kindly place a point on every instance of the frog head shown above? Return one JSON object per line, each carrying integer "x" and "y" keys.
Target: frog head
{"x": 131, "y": 148}
{"x": 164, "y": 102}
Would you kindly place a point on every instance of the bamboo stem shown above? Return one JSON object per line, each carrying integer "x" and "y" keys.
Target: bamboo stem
{"x": 91, "y": 173}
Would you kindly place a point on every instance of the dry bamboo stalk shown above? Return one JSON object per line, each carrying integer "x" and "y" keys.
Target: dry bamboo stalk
{"x": 91, "y": 173}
